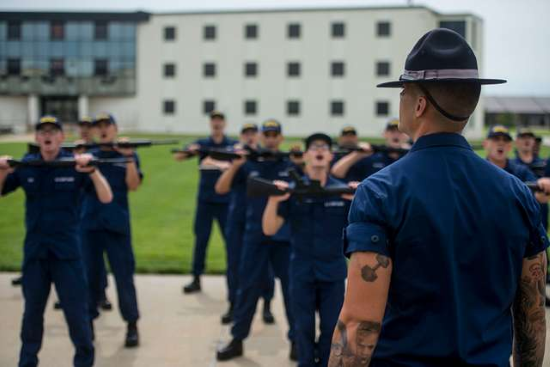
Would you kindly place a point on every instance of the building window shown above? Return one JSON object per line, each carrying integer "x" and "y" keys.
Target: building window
{"x": 382, "y": 108}
{"x": 101, "y": 67}
{"x": 338, "y": 69}
{"x": 169, "y": 70}
{"x": 382, "y": 68}
{"x": 169, "y": 33}
{"x": 338, "y": 30}
{"x": 208, "y": 106}
{"x": 250, "y": 69}
{"x": 383, "y": 29}
{"x": 101, "y": 31}
{"x": 14, "y": 66}
{"x": 57, "y": 67}
{"x": 294, "y": 30}
{"x": 14, "y": 31}
{"x": 337, "y": 108}
{"x": 250, "y": 108}
{"x": 209, "y": 32}
{"x": 293, "y": 108}
{"x": 293, "y": 69}
{"x": 169, "y": 106}
{"x": 459, "y": 26}
{"x": 209, "y": 70}
{"x": 251, "y": 31}
{"x": 57, "y": 30}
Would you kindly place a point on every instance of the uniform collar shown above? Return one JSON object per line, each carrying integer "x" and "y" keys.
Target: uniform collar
{"x": 224, "y": 140}
{"x": 440, "y": 140}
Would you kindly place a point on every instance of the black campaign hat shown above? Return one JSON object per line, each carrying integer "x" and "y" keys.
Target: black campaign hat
{"x": 441, "y": 55}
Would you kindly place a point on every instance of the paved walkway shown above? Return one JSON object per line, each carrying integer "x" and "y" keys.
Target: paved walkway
{"x": 176, "y": 330}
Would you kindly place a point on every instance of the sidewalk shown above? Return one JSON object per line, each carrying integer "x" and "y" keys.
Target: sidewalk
{"x": 175, "y": 329}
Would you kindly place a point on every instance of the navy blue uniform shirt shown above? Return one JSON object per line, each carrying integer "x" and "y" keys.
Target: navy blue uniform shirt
{"x": 269, "y": 170}
{"x": 520, "y": 171}
{"x": 114, "y": 216}
{"x": 457, "y": 229}
{"x": 209, "y": 177}
{"x": 368, "y": 166}
{"x": 316, "y": 225}
{"x": 52, "y": 208}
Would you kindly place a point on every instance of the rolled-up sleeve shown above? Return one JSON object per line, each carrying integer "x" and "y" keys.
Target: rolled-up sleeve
{"x": 367, "y": 230}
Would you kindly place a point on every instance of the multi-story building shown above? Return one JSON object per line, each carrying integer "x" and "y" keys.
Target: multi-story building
{"x": 312, "y": 69}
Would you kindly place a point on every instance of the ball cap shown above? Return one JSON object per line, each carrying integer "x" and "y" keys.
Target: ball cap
{"x": 441, "y": 55}
{"x": 348, "y": 130}
{"x": 499, "y": 130}
{"x": 104, "y": 117}
{"x": 217, "y": 115}
{"x": 86, "y": 120}
{"x": 524, "y": 131}
{"x": 316, "y": 137}
{"x": 48, "y": 120}
{"x": 249, "y": 127}
{"x": 392, "y": 124}
{"x": 272, "y": 125}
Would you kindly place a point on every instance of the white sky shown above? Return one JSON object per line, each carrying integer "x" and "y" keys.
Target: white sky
{"x": 517, "y": 32}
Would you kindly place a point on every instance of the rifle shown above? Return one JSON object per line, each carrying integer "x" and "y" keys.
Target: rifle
{"x": 64, "y": 162}
{"x": 228, "y": 155}
{"x": 538, "y": 168}
{"x": 141, "y": 143}
{"x": 260, "y": 187}
{"x": 375, "y": 149}
{"x": 534, "y": 187}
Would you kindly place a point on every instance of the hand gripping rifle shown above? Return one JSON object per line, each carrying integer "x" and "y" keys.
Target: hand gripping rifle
{"x": 133, "y": 144}
{"x": 260, "y": 187}
{"x": 534, "y": 187}
{"x": 64, "y": 162}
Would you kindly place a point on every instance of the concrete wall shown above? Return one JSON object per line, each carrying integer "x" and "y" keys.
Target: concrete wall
{"x": 359, "y": 49}
{"x": 14, "y": 113}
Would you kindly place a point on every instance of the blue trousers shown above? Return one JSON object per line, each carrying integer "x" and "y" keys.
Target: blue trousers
{"x": 309, "y": 297}
{"x": 70, "y": 283}
{"x": 234, "y": 233}
{"x": 258, "y": 253}
{"x": 204, "y": 216}
{"x": 121, "y": 258}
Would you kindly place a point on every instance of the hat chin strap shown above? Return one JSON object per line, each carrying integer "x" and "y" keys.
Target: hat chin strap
{"x": 439, "y": 109}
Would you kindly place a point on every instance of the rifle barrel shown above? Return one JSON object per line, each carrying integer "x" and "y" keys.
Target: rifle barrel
{"x": 61, "y": 163}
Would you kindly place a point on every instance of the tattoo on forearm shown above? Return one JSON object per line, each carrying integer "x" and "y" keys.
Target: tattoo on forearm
{"x": 368, "y": 273}
{"x": 358, "y": 352}
{"x": 529, "y": 316}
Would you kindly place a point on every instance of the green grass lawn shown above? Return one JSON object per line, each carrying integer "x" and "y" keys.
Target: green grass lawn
{"x": 162, "y": 215}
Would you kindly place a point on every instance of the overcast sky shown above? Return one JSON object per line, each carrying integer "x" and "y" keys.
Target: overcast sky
{"x": 517, "y": 32}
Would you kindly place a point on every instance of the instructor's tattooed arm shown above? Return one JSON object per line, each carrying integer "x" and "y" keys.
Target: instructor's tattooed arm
{"x": 529, "y": 313}
{"x": 359, "y": 326}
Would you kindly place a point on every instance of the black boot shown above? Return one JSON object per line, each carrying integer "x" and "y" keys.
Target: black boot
{"x": 232, "y": 350}
{"x": 104, "y": 303}
{"x": 132, "y": 336}
{"x": 57, "y": 305}
{"x": 267, "y": 315}
{"x": 194, "y": 286}
{"x": 16, "y": 282}
{"x": 293, "y": 352}
{"x": 227, "y": 318}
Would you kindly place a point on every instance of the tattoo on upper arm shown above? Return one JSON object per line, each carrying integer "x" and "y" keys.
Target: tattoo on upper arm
{"x": 368, "y": 273}
{"x": 529, "y": 315}
{"x": 358, "y": 352}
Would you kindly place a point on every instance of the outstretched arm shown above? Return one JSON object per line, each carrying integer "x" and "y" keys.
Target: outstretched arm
{"x": 360, "y": 320}
{"x": 529, "y": 313}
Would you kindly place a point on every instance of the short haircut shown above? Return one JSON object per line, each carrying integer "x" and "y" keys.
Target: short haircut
{"x": 456, "y": 98}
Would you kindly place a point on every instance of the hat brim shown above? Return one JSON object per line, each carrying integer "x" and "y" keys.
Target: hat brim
{"x": 496, "y": 135}
{"x": 399, "y": 83}
{"x": 40, "y": 125}
{"x": 318, "y": 136}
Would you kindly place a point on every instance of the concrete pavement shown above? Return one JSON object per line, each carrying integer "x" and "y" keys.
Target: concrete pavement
{"x": 176, "y": 330}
